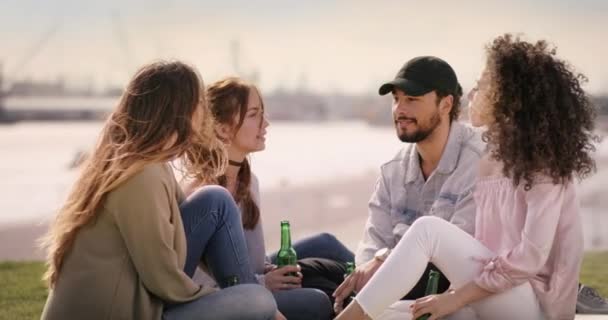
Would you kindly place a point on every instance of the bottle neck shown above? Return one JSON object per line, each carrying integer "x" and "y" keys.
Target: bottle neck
{"x": 350, "y": 267}
{"x": 285, "y": 237}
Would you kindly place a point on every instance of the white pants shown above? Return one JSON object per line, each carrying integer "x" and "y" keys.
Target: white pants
{"x": 431, "y": 239}
{"x": 401, "y": 311}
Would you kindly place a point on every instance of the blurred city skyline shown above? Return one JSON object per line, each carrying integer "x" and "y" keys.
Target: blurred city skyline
{"x": 323, "y": 46}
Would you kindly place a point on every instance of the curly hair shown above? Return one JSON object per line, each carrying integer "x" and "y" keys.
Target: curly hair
{"x": 457, "y": 95}
{"x": 543, "y": 121}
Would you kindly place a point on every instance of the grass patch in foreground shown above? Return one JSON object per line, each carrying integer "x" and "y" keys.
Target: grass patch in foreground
{"x": 22, "y": 292}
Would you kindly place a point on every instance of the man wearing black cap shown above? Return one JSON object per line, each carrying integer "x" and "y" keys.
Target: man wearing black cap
{"x": 432, "y": 175}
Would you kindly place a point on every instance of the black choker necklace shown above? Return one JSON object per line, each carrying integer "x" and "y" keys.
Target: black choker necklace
{"x": 235, "y": 163}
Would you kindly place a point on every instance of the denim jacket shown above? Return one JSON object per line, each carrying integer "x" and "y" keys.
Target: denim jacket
{"x": 401, "y": 194}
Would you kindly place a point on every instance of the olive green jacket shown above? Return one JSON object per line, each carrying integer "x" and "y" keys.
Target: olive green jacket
{"x": 128, "y": 263}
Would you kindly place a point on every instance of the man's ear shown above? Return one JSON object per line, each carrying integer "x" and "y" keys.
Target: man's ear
{"x": 446, "y": 104}
{"x": 224, "y": 132}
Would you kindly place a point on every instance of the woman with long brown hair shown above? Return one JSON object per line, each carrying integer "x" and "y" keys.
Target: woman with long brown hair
{"x": 126, "y": 243}
{"x": 524, "y": 260}
{"x": 238, "y": 110}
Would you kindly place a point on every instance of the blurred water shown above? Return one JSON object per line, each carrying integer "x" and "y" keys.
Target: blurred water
{"x": 35, "y": 160}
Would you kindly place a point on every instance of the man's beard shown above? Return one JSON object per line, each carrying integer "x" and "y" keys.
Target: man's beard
{"x": 423, "y": 131}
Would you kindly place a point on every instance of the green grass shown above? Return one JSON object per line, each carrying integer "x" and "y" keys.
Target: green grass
{"x": 595, "y": 271}
{"x": 22, "y": 293}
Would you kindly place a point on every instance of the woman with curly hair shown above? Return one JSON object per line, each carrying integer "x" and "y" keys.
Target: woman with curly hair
{"x": 524, "y": 260}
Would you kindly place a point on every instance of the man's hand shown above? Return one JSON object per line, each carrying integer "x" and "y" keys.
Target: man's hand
{"x": 355, "y": 282}
{"x": 278, "y": 279}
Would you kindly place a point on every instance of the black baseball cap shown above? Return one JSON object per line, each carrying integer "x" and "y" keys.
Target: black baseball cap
{"x": 422, "y": 75}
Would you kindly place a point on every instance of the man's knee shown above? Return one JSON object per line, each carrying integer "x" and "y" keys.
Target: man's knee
{"x": 327, "y": 238}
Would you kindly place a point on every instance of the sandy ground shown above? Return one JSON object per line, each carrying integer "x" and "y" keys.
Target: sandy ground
{"x": 338, "y": 207}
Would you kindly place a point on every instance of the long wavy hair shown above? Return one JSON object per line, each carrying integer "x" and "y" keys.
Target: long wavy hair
{"x": 152, "y": 123}
{"x": 542, "y": 120}
{"x": 228, "y": 98}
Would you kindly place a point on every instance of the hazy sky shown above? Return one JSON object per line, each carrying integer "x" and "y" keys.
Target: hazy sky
{"x": 329, "y": 46}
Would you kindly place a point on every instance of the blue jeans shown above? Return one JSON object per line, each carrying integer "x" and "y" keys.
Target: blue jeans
{"x": 309, "y": 303}
{"x": 214, "y": 233}
{"x": 322, "y": 245}
{"x": 244, "y": 301}
{"x": 304, "y": 304}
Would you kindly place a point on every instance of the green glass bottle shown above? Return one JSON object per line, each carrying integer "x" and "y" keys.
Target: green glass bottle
{"x": 431, "y": 288}
{"x": 287, "y": 255}
{"x": 350, "y": 268}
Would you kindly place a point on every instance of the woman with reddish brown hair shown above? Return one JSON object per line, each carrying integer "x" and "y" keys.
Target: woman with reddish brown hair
{"x": 239, "y": 112}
